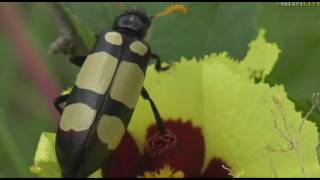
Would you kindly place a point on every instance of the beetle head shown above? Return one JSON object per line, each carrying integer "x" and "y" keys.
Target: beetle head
{"x": 133, "y": 20}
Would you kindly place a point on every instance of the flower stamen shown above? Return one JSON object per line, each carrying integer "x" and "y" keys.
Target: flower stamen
{"x": 165, "y": 172}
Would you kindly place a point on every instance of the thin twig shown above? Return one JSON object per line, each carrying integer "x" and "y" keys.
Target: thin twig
{"x": 318, "y": 149}
{"x": 292, "y": 141}
{"x": 274, "y": 171}
{"x": 280, "y": 149}
{"x": 67, "y": 42}
{"x": 315, "y": 104}
{"x": 282, "y": 133}
{"x": 64, "y": 42}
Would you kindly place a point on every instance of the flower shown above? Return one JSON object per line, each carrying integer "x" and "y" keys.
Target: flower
{"x": 129, "y": 162}
{"x": 228, "y": 121}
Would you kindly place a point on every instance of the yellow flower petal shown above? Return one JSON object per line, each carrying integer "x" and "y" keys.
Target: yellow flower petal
{"x": 240, "y": 125}
{"x": 236, "y": 115}
{"x": 45, "y": 160}
{"x": 258, "y": 62}
{"x": 260, "y": 58}
{"x": 97, "y": 174}
{"x": 178, "y": 93}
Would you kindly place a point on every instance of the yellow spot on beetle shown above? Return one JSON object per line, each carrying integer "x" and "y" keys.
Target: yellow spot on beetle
{"x": 114, "y": 38}
{"x": 127, "y": 84}
{"x": 77, "y": 117}
{"x": 139, "y": 48}
{"x": 110, "y": 131}
{"x": 97, "y": 72}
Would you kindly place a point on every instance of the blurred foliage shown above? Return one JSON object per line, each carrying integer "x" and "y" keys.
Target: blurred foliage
{"x": 209, "y": 27}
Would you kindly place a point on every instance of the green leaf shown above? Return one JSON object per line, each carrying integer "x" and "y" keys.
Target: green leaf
{"x": 233, "y": 27}
{"x": 296, "y": 33}
{"x": 10, "y": 151}
{"x": 209, "y": 27}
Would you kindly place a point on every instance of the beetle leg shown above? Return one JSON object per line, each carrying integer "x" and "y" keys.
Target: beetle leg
{"x": 155, "y": 111}
{"x": 78, "y": 60}
{"x": 158, "y": 118}
{"x": 158, "y": 63}
{"x": 59, "y": 100}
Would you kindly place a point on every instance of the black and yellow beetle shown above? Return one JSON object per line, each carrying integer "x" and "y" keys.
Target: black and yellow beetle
{"x": 98, "y": 109}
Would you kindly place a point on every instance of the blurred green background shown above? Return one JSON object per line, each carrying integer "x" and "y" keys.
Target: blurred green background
{"x": 208, "y": 28}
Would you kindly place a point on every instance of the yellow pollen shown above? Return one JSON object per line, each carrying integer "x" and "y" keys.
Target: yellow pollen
{"x": 66, "y": 91}
{"x": 165, "y": 172}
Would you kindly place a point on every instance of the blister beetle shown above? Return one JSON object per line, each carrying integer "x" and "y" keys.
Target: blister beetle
{"x": 98, "y": 109}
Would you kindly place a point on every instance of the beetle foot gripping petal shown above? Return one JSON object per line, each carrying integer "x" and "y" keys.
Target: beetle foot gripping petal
{"x": 161, "y": 143}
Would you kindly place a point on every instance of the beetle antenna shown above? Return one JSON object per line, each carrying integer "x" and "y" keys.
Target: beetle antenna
{"x": 172, "y": 9}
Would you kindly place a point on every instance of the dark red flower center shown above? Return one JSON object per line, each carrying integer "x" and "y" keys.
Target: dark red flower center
{"x": 163, "y": 149}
